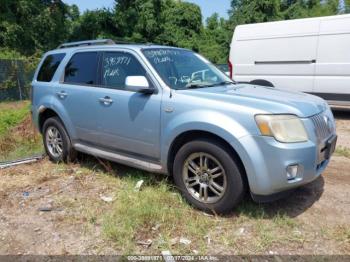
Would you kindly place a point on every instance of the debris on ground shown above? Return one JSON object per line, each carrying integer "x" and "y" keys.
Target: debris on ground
{"x": 184, "y": 241}
{"x": 28, "y": 160}
{"x": 107, "y": 166}
{"x": 45, "y": 209}
{"x": 107, "y": 199}
{"x": 145, "y": 243}
{"x": 26, "y": 194}
{"x": 138, "y": 185}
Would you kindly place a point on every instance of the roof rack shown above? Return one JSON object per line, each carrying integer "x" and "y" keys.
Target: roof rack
{"x": 86, "y": 43}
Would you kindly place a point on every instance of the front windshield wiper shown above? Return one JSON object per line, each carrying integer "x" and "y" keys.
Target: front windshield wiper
{"x": 194, "y": 86}
{"x": 225, "y": 83}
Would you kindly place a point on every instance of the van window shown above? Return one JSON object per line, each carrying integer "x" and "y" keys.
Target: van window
{"x": 49, "y": 67}
{"x": 82, "y": 69}
{"x": 117, "y": 66}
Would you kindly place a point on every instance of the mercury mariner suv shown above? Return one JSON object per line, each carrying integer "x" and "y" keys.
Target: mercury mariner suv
{"x": 169, "y": 110}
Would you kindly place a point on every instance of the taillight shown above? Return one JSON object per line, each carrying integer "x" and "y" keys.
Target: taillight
{"x": 230, "y": 67}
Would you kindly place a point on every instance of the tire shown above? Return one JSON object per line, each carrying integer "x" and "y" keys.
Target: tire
{"x": 261, "y": 82}
{"x": 217, "y": 155}
{"x": 53, "y": 128}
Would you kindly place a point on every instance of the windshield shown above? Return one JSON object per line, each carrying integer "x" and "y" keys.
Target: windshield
{"x": 183, "y": 69}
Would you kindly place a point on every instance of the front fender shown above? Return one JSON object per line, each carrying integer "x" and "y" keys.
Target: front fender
{"x": 201, "y": 120}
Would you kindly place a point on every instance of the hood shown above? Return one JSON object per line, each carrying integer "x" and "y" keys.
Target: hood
{"x": 264, "y": 99}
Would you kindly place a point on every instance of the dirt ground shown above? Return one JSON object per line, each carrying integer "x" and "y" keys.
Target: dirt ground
{"x": 43, "y": 208}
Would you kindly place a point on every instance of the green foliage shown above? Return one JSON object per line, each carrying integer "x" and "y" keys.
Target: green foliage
{"x": 135, "y": 213}
{"x": 10, "y": 117}
{"x": 32, "y": 26}
{"x": 18, "y": 137}
{"x": 6, "y": 53}
{"x": 27, "y": 26}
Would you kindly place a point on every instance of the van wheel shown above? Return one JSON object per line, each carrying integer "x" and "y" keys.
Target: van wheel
{"x": 208, "y": 176}
{"x": 57, "y": 142}
{"x": 261, "y": 82}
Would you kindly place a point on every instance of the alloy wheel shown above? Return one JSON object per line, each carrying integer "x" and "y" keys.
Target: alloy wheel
{"x": 204, "y": 177}
{"x": 54, "y": 141}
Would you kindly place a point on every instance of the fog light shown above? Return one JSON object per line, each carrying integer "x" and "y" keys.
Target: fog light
{"x": 292, "y": 172}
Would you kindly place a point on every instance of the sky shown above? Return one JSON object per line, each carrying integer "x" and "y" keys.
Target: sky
{"x": 208, "y": 6}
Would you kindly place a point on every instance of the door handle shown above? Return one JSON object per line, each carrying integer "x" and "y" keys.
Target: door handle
{"x": 62, "y": 94}
{"x": 106, "y": 100}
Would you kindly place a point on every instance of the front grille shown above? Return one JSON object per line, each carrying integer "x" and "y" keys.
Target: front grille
{"x": 323, "y": 126}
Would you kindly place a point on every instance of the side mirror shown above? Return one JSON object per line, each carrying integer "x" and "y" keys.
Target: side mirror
{"x": 138, "y": 84}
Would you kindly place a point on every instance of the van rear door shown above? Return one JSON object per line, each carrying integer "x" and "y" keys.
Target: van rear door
{"x": 332, "y": 75}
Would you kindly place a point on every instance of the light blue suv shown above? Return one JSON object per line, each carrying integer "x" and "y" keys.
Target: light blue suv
{"x": 169, "y": 110}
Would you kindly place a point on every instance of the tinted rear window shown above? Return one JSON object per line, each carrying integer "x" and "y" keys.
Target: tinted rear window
{"x": 82, "y": 69}
{"x": 49, "y": 67}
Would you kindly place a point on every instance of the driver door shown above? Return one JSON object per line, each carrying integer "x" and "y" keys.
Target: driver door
{"x": 128, "y": 121}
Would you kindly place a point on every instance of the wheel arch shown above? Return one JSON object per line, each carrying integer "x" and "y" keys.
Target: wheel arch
{"x": 45, "y": 114}
{"x": 48, "y": 112}
{"x": 191, "y": 135}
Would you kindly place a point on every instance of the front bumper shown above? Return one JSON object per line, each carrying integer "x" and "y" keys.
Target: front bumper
{"x": 266, "y": 162}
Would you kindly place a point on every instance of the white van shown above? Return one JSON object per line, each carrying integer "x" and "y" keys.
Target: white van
{"x": 310, "y": 55}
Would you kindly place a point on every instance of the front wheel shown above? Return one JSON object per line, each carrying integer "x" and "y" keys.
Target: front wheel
{"x": 208, "y": 176}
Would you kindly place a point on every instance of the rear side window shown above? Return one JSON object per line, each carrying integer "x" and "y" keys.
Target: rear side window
{"x": 49, "y": 67}
{"x": 82, "y": 69}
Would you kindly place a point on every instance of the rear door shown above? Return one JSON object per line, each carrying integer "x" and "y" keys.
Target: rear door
{"x": 77, "y": 94}
{"x": 332, "y": 76}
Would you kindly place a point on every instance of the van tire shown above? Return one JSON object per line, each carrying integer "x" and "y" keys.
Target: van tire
{"x": 66, "y": 153}
{"x": 261, "y": 82}
{"x": 234, "y": 185}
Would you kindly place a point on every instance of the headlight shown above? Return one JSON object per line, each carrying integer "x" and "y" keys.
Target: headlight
{"x": 284, "y": 128}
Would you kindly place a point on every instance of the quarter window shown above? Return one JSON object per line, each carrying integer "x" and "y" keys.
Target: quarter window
{"x": 117, "y": 66}
{"x": 82, "y": 69}
{"x": 49, "y": 67}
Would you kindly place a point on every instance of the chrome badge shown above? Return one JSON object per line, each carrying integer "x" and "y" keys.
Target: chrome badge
{"x": 328, "y": 123}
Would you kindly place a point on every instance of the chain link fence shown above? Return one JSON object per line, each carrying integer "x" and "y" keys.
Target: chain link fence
{"x": 14, "y": 80}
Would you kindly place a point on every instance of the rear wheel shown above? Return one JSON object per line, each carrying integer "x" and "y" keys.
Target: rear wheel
{"x": 208, "y": 176}
{"x": 57, "y": 142}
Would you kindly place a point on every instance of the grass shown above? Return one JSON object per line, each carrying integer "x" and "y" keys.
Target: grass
{"x": 343, "y": 151}
{"x": 158, "y": 212}
{"x": 11, "y": 114}
{"x": 18, "y": 137}
{"x": 155, "y": 212}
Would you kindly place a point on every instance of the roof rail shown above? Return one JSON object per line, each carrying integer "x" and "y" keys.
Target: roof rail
{"x": 88, "y": 42}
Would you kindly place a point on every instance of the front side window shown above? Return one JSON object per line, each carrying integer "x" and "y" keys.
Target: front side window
{"x": 117, "y": 66}
{"x": 49, "y": 67}
{"x": 82, "y": 69}
{"x": 184, "y": 69}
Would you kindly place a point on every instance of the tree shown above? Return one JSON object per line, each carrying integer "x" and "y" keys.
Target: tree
{"x": 214, "y": 40}
{"x": 92, "y": 25}
{"x": 182, "y": 24}
{"x": 310, "y": 8}
{"x": 254, "y": 11}
{"x": 27, "y": 26}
